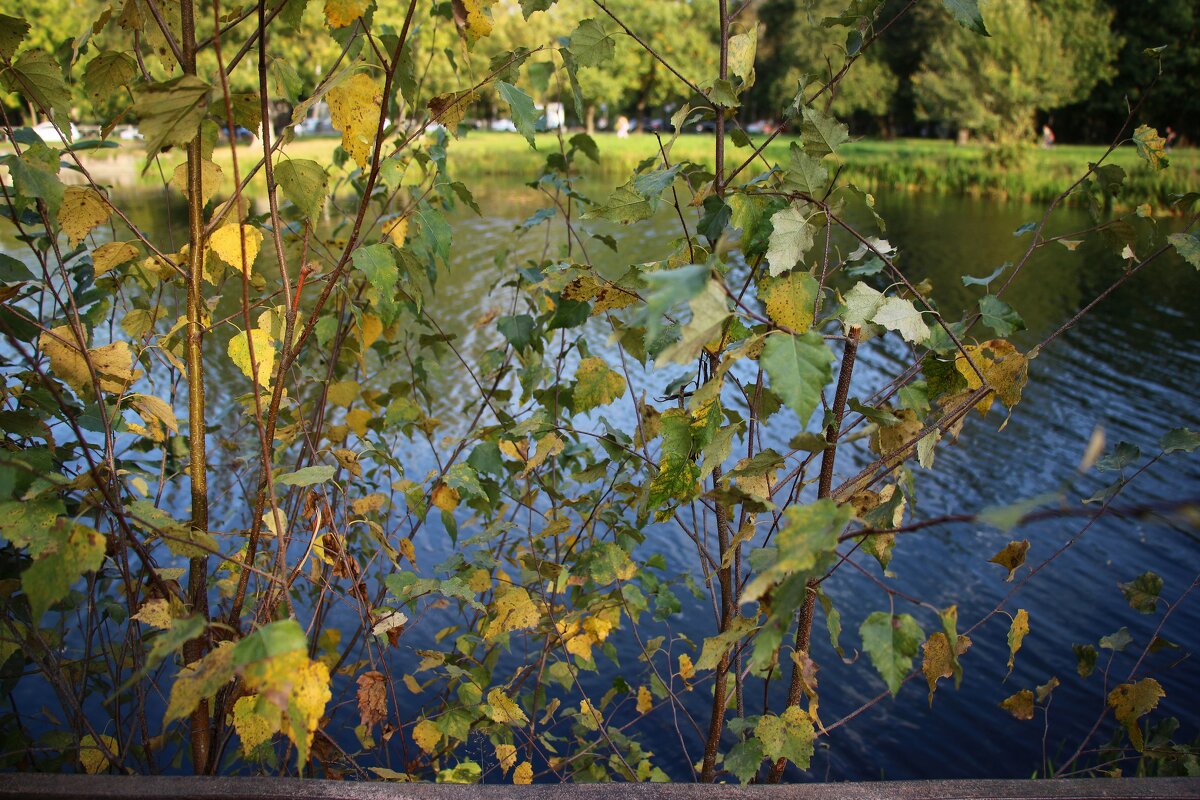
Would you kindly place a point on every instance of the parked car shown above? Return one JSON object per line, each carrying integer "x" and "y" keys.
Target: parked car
{"x": 48, "y": 133}
{"x": 129, "y": 133}
{"x": 503, "y": 124}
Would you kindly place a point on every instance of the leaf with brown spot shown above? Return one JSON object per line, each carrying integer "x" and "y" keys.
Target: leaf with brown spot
{"x": 1011, "y": 557}
{"x": 372, "y": 698}
{"x": 1016, "y": 635}
{"x": 1132, "y": 701}
{"x": 1020, "y": 705}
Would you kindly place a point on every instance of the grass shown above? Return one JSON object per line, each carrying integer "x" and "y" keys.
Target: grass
{"x": 919, "y": 165}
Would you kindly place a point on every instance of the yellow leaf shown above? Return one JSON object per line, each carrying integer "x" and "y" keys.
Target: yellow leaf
{"x": 211, "y": 178}
{"x": 548, "y": 445}
{"x": 342, "y": 393}
{"x": 596, "y": 385}
{"x": 256, "y": 720}
{"x": 449, "y": 109}
{"x": 357, "y": 420}
{"x": 110, "y": 255}
{"x": 82, "y": 210}
{"x": 1005, "y": 370}
{"x": 1132, "y": 701}
{"x": 687, "y": 670}
{"x": 645, "y": 702}
{"x": 506, "y": 755}
{"x": 92, "y": 758}
{"x": 199, "y": 681}
{"x": 472, "y": 18}
{"x": 937, "y": 663}
{"x": 411, "y": 684}
{"x": 445, "y": 498}
{"x": 227, "y": 243}
{"x": 523, "y": 774}
{"x": 340, "y": 13}
{"x": 1011, "y": 557}
{"x": 370, "y": 330}
{"x": 517, "y": 451}
{"x": 152, "y": 407}
{"x": 504, "y": 709}
{"x": 513, "y": 610}
{"x": 365, "y": 505}
{"x": 789, "y": 299}
{"x": 113, "y": 362}
{"x": 1020, "y": 705}
{"x": 155, "y": 613}
{"x": 427, "y": 736}
{"x": 1016, "y": 635}
{"x": 397, "y": 229}
{"x": 310, "y": 693}
{"x": 264, "y": 355}
{"x": 405, "y": 546}
{"x": 354, "y": 108}
{"x": 589, "y": 716}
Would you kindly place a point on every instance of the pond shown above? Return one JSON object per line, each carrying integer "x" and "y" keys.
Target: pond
{"x": 1130, "y": 367}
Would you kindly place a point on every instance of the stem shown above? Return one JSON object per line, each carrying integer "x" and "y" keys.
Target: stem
{"x": 804, "y": 619}
{"x": 198, "y": 466}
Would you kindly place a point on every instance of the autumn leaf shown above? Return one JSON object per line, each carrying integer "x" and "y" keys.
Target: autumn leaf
{"x": 1016, "y": 635}
{"x": 427, "y": 736}
{"x": 1132, "y": 701}
{"x": 92, "y": 757}
{"x": 523, "y": 774}
{"x": 471, "y": 17}
{"x": 82, "y": 209}
{"x": 211, "y": 178}
{"x": 340, "y": 13}
{"x": 789, "y": 299}
{"x": 156, "y": 613}
{"x": 1020, "y": 705}
{"x": 110, "y": 255}
{"x": 229, "y": 240}
{"x": 596, "y": 385}
{"x": 645, "y": 702}
{"x": 372, "y": 698}
{"x": 264, "y": 355}
{"x": 504, "y": 709}
{"x": 354, "y": 109}
{"x": 513, "y": 610}
{"x": 1011, "y": 557}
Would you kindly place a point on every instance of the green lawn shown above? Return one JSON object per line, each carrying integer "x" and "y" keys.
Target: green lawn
{"x": 908, "y": 164}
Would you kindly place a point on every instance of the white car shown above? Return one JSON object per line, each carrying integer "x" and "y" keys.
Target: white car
{"x": 48, "y": 133}
{"x": 503, "y": 124}
{"x": 129, "y": 133}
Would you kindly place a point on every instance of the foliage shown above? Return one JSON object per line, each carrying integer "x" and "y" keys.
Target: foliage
{"x": 225, "y": 452}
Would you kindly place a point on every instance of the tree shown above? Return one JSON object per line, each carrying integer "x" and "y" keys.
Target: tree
{"x": 1039, "y": 56}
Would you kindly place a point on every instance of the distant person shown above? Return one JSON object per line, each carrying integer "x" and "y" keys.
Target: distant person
{"x": 622, "y": 127}
{"x": 1047, "y": 137}
{"x": 1172, "y": 135}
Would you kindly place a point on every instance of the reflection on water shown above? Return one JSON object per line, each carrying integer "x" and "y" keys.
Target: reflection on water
{"x": 1130, "y": 367}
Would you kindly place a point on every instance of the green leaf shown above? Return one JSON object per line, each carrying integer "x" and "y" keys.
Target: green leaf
{"x": 170, "y": 113}
{"x": 35, "y": 176}
{"x": 805, "y": 173}
{"x": 967, "y": 14}
{"x": 892, "y": 642}
{"x": 528, "y": 7}
{"x": 715, "y": 647}
{"x": 378, "y": 264}
{"x": 72, "y": 551}
{"x": 821, "y": 134}
{"x": 861, "y": 303}
{"x": 808, "y": 534}
{"x": 1179, "y": 440}
{"x": 1085, "y": 655}
{"x": 1123, "y": 454}
{"x": 677, "y": 473}
{"x": 710, "y": 310}
{"x": 108, "y": 72}
{"x": 1142, "y": 592}
{"x": 1116, "y": 641}
{"x": 12, "y": 33}
{"x": 900, "y": 315}
{"x": 270, "y": 641}
{"x": 624, "y": 205}
{"x": 791, "y": 238}
{"x": 799, "y": 367}
{"x": 518, "y": 330}
{"x": 307, "y": 476}
{"x": 591, "y": 45}
{"x": 1188, "y": 247}
{"x": 999, "y": 316}
{"x": 744, "y": 759}
{"x": 37, "y": 77}
{"x": 523, "y": 112}
{"x": 304, "y": 182}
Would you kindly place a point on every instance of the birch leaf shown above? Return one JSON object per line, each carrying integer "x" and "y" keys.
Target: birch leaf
{"x": 354, "y": 109}
{"x": 82, "y": 210}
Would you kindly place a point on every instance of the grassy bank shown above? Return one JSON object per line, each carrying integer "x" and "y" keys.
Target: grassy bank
{"x": 907, "y": 164}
